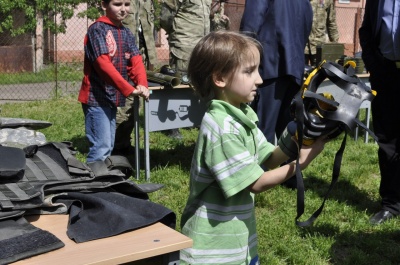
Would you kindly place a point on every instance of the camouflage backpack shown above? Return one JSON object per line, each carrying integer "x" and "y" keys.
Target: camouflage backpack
{"x": 169, "y": 8}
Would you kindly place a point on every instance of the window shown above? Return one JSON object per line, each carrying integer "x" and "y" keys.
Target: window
{"x": 344, "y": 1}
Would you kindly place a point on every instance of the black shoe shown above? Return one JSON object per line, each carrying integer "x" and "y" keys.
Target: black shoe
{"x": 126, "y": 151}
{"x": 174, "y": 133}
{"x": 381, "y": 217}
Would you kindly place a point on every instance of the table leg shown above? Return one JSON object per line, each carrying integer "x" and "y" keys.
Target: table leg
{"x": 146, "y": 140}
{"x": 136, "y": 105}
{"x": 171, "y": 258}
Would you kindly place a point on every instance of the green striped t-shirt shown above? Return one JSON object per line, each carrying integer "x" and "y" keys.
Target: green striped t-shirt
{"x": 219, "y": 214}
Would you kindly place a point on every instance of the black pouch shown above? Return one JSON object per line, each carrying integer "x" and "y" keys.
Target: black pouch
{"x": 12, "y": 164}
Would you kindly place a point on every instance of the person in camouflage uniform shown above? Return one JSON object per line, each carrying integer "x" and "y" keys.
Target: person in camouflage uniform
{"x": 141, "y": 22}
{"x": 132, "y": 19}
{"x": 219, "y": 21}
{"x": 146, "y": 18}
{"x": 190, "y": 24}
{"x": 324, "y": 21}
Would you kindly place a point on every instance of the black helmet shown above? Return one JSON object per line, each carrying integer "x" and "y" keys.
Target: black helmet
{"x": 330, "y": 111}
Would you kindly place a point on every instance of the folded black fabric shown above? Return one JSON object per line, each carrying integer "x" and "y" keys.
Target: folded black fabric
{"x": 102, "y": 214}
{"x": 19, "y": 239}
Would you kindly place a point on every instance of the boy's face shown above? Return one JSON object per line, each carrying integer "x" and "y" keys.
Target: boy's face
{"x": 243, "y": 86}
{"x": 116, "y": 10}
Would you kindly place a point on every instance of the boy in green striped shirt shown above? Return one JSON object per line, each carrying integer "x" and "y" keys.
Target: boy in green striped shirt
{"x": 226, "y": 169}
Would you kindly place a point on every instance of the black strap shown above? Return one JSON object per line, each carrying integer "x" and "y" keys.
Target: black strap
{"x": 309, "y": 94}
{"x": 335, "y": 175}
{"x": 342, "y": 76}
{"x": 362, "y": 125}
{"x": 299, "y": 108}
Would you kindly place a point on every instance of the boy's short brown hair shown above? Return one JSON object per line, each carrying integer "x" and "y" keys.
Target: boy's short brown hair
{"x": 218, "y": 53}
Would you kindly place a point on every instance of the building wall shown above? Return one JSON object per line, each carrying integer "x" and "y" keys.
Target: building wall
{"x": 347, "y": 13}
{"x": 68, "y": 47}
{"x": 349, "y": 16}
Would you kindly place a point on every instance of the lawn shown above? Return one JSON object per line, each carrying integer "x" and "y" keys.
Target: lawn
{"x": 342, "y": 233}
{"x": 51, "y": 73}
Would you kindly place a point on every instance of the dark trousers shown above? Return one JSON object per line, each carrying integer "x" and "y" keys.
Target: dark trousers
{"x": 272, "y": 105}
{"x": 386, "y": 123}
{"x": 311, "y": 59}
{"x": 125, "y": 123}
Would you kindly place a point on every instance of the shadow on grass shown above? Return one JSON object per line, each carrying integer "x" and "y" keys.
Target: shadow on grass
{"x": 376, "y": 247}
{"x": 181, "y": 154}
{"x": 81, "y": 144}
{"x": 367, "y": 247}
{"x": 343, "y": 191}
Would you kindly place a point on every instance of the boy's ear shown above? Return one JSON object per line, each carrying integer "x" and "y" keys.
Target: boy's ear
{"x": 218, "y": 81}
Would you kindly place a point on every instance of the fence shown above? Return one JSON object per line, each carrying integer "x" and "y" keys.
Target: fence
{"x": 349, "y": 21}
{"x": 42, "y": 65}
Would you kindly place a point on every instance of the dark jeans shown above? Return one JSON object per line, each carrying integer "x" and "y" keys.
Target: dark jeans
{"x": 100, "y": 131}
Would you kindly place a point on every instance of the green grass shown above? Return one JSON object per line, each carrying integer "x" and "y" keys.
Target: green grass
{"x": 63, "y": 72}
{"x": 341, "y": 235}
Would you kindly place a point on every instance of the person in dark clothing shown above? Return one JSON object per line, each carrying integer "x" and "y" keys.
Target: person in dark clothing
{"x": 283, "y": 28}
{"x": 380, "y": 41}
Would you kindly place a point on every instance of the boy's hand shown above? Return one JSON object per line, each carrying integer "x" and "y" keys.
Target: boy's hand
{"x": 309, "y": 152}
{"x": 141, "y": 91}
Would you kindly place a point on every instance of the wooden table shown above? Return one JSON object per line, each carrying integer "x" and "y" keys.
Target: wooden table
{"x": 155, "y": 244}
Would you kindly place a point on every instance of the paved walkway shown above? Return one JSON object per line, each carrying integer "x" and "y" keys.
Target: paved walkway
{"x": 36, "y": 91}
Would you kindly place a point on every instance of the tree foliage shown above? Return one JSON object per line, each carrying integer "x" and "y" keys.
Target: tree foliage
{"x": 54, "y": 14}
{"x": 49, "y": 10}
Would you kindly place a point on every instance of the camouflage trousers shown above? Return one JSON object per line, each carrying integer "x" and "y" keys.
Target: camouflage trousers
{"x": 178, "y": 64}
{"x": 124, "y": 124}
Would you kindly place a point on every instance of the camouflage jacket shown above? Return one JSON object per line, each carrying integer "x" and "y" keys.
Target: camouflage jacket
{"x": 132, "y": 20}
{"x": 218, "y": 19}
{"x": 185, "y": 35}
{"x": 324, "y": 22}
{"x": 141, "y": 14}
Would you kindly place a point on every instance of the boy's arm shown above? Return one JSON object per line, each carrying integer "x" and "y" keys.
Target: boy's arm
{"x": 277, "y": 158}
{"x": 110, "y": 75}
{"x": 137, "y": 71}
{"x": 273, "y": 177}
